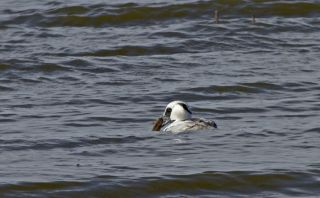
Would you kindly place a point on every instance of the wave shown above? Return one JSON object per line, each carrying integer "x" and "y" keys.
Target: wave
{"x": 5, "y": 88}
{"x": 100, "y": 15}
{"x": 20, "y": 144}
{"x": 230, "y": 182}
{"x": 255, "y": 87}
{"x": 50, "y": 67}
{"x": 241, "y": 88}
{"x": 4, "y": 66}
{"x": 43, "y": 67}
{"x": 135, "y": 51}
{"x": 277, "y": 182}
{"x": 283, "y": 8}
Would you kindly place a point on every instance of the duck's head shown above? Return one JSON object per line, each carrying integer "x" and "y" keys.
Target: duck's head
{"x": 175, "y": 110}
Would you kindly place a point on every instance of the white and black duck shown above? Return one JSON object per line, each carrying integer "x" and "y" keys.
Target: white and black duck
{"x": 177, "y": 117}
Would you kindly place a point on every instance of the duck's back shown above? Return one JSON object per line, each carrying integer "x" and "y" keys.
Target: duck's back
{"x": 190, "y": 125}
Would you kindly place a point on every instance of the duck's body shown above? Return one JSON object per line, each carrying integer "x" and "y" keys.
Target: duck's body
{"x": 193, "y": 124}
{"x": 177, "y": 118}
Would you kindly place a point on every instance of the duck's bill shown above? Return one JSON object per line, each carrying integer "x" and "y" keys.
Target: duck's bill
{"x": 158, "y": 124}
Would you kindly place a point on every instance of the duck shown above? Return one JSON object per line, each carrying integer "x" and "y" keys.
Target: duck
{"x": 177, "y": 118}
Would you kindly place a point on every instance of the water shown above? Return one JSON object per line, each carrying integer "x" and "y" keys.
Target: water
{"x": 81, "y": 83}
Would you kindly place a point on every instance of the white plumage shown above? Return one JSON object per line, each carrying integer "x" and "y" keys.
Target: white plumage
{"x": 177, "y": 118}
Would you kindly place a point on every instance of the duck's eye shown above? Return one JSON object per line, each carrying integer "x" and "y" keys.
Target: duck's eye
{"x": 168, "y": 112}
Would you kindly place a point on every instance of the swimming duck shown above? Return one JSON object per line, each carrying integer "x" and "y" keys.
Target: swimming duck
{"x": 177, "y": 117}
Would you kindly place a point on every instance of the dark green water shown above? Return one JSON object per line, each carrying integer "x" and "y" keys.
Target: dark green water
{"x": 82, "y": 81}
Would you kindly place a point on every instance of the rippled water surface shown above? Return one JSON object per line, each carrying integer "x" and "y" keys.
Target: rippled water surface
{"x": 82, "y": 81}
